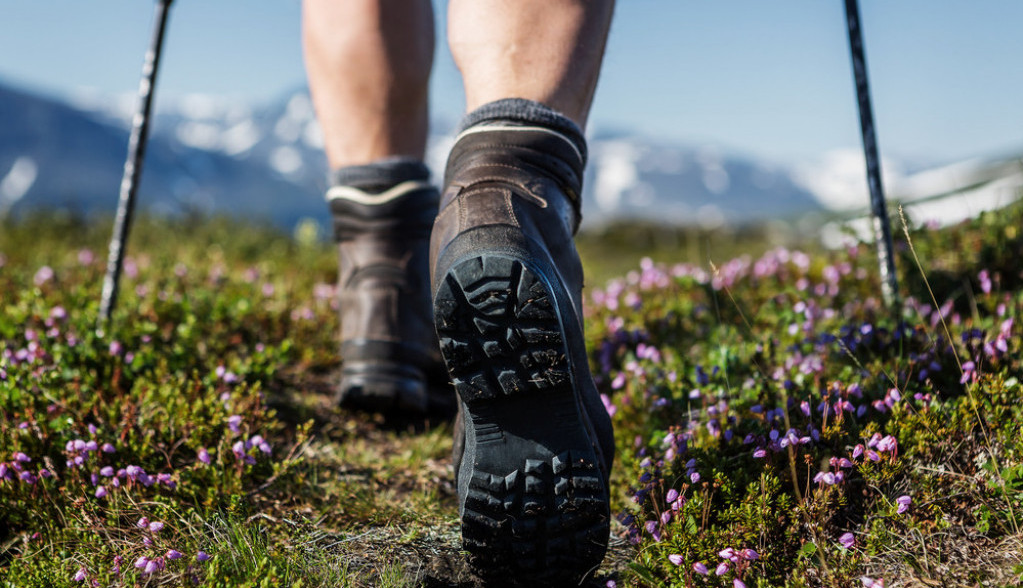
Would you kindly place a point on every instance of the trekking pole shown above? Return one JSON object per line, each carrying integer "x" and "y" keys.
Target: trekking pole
{"x": 879, "y": 209}
{"x": 133, "y": 165}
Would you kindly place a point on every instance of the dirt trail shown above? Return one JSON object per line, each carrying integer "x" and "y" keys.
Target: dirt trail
{"x": 381, "y": 457}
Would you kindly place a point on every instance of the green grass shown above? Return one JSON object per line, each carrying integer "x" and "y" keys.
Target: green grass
{"x": 224, "y": 345}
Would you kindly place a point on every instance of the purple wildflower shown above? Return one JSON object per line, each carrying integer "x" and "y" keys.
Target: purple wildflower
{"x": 847, "y": 540}
{"x": 887, "y": 444}
{"x": 618, "y": 382}
{"x": 174, "y": 554}
{"x": 827, "y": 478}
{"x": 202, "y": 556}
{"x": 984, "y": 277}
{"x": 204, "y": 456}
{"x": 156, "y": 526}
{"x": 722, "y": 568}
{"x": 675, "y": 559}
{"x": 80, "y": 575}
{"x": 700, "y": 568}
{"x": 903, "y": 501}
{"x": 45, "y": 274}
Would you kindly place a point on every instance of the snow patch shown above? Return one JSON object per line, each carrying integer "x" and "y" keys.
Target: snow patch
{"x": 953, "y": 209}
{"x": 299, "y": 107}
{"x": 288, "y": 129}
{"x": 715, "y": 178}
{"x": 313, "y": 135}
{"x": 669, "y": 162}
{"x": 16, "y": 183}
{"x": 202, "y": 106}
{"x": 839, "y": 179}
{"x": 240, "y": 138}
{"x": 616, "y": 174}
{"x": 286, "y": 160}
{"x": 201, "y": 135}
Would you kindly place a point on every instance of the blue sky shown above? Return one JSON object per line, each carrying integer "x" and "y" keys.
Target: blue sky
{"x": 769, "y": 78}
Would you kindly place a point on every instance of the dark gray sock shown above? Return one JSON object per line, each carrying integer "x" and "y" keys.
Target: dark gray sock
{"x": 380, "y": 175}
{"x": 526, "y": 112}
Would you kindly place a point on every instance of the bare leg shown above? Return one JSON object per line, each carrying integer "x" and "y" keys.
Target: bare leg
{"x": 368, "y": 63}
{"x": 548, "y": 51}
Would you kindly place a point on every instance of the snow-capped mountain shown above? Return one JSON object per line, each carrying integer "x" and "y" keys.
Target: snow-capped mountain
{"x": 54, "y": 155}
{"x": 217, "y": 156}
{"x": 634, "y": 177}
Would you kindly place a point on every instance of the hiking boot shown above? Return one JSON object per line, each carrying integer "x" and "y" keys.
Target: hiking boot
{"x": 388, "y": 345}
{"x": 533, "y": 461}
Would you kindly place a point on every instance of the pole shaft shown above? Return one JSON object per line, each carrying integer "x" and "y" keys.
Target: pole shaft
{"x": 879, "y": 209}
{"x": 133, "y": 165}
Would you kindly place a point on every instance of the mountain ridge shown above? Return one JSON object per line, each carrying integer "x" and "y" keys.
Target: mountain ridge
{"x": 214, "y": 155}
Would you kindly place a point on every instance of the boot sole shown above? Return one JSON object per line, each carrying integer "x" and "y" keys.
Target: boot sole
{"x": 535, "y": 509}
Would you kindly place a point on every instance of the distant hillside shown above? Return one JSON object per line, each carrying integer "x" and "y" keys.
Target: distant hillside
{"x": 212, "y": 155}
{"x": 55, "y": 155}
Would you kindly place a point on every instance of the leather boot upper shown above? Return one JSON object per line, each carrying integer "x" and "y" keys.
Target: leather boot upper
{"x": 383, "y": 239}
